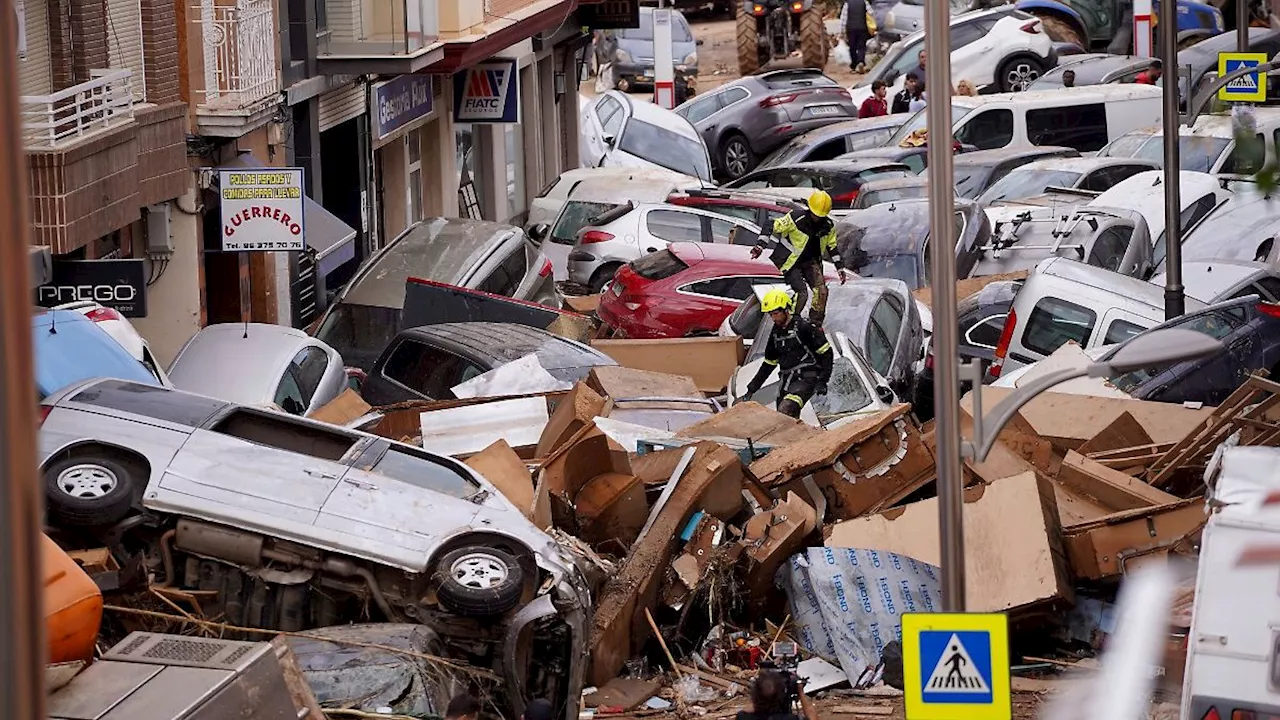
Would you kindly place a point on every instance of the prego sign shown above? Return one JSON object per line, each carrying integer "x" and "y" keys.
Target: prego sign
{"x": 118, "y": 284}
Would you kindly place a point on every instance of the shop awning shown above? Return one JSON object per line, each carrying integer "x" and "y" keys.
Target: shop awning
{"x": 331, "y": 238}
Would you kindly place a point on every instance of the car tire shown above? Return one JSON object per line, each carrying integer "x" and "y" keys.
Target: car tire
{"x": 88, "y": 490}
{"x": 814, "y": 50}
{"x": 479, "y": 581}
{"x": 748, "y": 37}
{"x": 1017, "y": 73}
{"x": 602, "y": 278}
{"x": 736, "y": 157}
{"x": 622, "y": 85}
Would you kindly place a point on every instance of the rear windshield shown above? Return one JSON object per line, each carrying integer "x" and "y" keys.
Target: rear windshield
{"x": 658, "y": 266}
{"x": 899, "y": 267}
{"x": 1053, "y": 323}
{"x": 1025, "y": 183}
{"x": 797, "y": 78}
{"x": 577, "y": 214}
{"x": 360, "y": 332}
{"x": 1197, "y": 152}
{"x": 666, "y": 148}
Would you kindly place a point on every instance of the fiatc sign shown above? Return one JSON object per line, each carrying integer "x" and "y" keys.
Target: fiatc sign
{"x": 487, "y": 93}
{"x": 262, "y": 210}
{"x": 118, "y": 284}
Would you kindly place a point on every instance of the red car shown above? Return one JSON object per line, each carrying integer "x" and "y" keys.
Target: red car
{"x": 683, "y": 291}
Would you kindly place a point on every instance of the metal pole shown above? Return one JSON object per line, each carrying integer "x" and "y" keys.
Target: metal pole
{"x": 1242, "y": 25}
{"x": 946, "y": 391}
{"x": 21, "y": 616}
{"x": 1174, "y": 301}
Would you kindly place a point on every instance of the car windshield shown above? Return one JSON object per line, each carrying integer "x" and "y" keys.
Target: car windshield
{"x": 918, "y": 122}
{"x": 576, "y": 215}
{"x": 1025, "y": 183}
{"x": 679, "y": 30}
{"x": 1196, "y": 152}
{"x": 867, "y": 198}
{"x": 900, "y": 267}
{"x": 663, "y": 147}
{"x": 359, "y": 332}
{"x": 970, "y": 180}
{"x": 790, "y": 150}
{"x": 1126, "y": 145}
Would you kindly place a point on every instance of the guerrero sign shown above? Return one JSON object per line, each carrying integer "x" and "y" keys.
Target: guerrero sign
{"x": 262, "y": 210}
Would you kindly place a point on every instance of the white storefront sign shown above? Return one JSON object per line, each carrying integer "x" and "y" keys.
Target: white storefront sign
{"x": 262, "y": 210}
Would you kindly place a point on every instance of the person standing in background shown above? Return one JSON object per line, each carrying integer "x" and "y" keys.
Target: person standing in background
{"x": 918, "y": 99}
{"x": 856, "y": 33}
{"x": 902, "y": 100}
{"x": 1068, "y": 78}
{"x": 876, "y": 105}
{"x": 966, "y": 89}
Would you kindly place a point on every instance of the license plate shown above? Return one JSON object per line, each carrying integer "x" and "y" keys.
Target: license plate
{"x": 647, "y": 74}
{"x": 821, "y": 110}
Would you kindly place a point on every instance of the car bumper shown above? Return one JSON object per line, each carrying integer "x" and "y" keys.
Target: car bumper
{"x": 638, "y": 73}
{"x": 582, "y": 265}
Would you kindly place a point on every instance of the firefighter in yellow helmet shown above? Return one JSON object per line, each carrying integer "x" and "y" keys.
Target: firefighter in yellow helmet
{"x": 798, "y": 349}
{"x": 809, "y": 235}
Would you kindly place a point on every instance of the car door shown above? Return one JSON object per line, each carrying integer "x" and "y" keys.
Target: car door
{"x": 888, "y": 316}
{"x": 1210, "y": 380}
{"x": 987, "y": 129}
{"x": 972, "y": 48}
{"x": 605, "y": 121}
{"x": 718, "y": 230}
{"x": 668, "y": 226}
{"x": 415, "y": 370}
{"x": 257, "y": 468}
{"x": 308, "y": 369}
{"x": 701, "y": 109}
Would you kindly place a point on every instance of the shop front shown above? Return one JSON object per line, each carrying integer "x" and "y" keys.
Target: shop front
{"x": 410, "y": 154}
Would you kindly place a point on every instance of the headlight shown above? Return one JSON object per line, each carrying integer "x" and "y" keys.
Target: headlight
{"x": 690, "y": 59}
{"x": 621, "y": 56}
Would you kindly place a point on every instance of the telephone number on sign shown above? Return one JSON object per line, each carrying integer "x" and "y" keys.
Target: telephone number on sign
{"x": 281, "y": 245}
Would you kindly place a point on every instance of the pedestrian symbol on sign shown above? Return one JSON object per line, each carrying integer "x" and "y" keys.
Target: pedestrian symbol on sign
{"x": 955, "y": 671}
{"x": 1244, "y": 83}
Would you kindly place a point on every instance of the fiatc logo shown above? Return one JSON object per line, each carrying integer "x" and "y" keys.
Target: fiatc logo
{"x": 484, "y": 92}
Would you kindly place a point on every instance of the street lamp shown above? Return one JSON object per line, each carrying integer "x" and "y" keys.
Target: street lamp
{"x": 1149, "y": 350}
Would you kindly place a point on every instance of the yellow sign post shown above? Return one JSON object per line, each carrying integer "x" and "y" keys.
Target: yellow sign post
{"x": 956, "y": 666}
{"x": 1250, "y": 87}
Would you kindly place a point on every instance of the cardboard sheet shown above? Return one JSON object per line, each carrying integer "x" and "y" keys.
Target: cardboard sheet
{"x": 708, "y": 360}
{"x": 469, "y": 429}
{"x": 848, "y": 603}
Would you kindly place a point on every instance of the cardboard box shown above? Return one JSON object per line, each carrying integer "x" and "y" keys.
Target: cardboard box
{"x": 773, "y": 536}
{"x": 1104, "y": 548}
{"x": 710, "y": 361}
{"x": 572, "y": 413}
{"x": 584, "y": 304}
{"x": 617, "y": 382}
{"x": 343, "y": 409}
{"x": 500, "y": 465}
{"x": 822, "y": 449}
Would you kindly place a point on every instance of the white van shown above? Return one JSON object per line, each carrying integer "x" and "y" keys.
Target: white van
{"x": 1085, "y": 118}
{"x": 1233, "y": 649}
{"x": 1063, "y": 300}
{"x": 1207, "y": 146}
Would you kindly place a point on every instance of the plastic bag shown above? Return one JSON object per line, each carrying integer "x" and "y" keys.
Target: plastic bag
{"x": 692, "y": 691}
{"x": 841, "y": 53}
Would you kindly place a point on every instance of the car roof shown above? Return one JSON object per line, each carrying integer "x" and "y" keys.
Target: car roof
{"x": 1150, "y": 182}
{"x": 1207, "y": 279}
{"x": 70, "y": 348}
{"x": 1130, "y": 288}
{"x": 1059, "y": 96}
{"x": 914, "y": 181}
{"x": 845, "y": 127}
{"x": 888, "y": 225}
{"x": 507, "y": 342}
{"x": 1082, "y": 164}
{"x": 440, "y": 249}
{"x": 125, "y": 396}
{"x": 1206, "y": 51}
{"x": 849, "y": 305}
{"x": 843, "y": 166}
{"x": 241, "y": 362}
{"x": 657, "y": 115}
{"x": 778, "y": 79}
{"x": 891, "y": 153}
{"x": 998, "y": 155}
{"x": 1098, "y": 65}
{"x": 762, "y": 197}
{"x": 693, "y": 253}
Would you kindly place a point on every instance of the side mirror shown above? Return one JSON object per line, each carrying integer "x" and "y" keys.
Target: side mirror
{"x": 610, "y": 140}
{"x": 885, "y": 394}
{"x": 538, "y": 232}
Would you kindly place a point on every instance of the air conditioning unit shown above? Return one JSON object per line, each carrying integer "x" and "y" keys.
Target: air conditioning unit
{"x": 173, "y": 677}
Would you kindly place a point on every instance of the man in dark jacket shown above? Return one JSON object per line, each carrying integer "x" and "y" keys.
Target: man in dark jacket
{"x": 856, "y": 32}
{"x": 798, "y": 349}
{"x": 807, "y": 236}
{"x": 902, "y": 99}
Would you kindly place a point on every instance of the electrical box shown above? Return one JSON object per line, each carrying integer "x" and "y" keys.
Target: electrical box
{"x": 159, "y": 239}
{"x": 174, "y": 677}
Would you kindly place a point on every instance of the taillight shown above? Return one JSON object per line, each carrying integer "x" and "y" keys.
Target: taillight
{"x": 631, "y": 306}
{"x": 773, "y": 100}
{"x": 1269, "y": 309}
{"x": 546, "y": 268}
{"x": 1212, "y": 714}
{"x": 103, "y": 313}
{"x": 757, "y": 9}
{"x": 1242, "y": 715}
{"x": 1032, "y": 27}
{"x": 928, "y": 361}
{"x": 44, "y": 414}
{"x": 846, "y": 198}
{"x": 595, "y": 236}
{"x": 1002, "y": 347}
{"x": 797, "y": 7}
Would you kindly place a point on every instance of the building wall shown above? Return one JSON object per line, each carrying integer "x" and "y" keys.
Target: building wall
{"x": 174, "y": 307}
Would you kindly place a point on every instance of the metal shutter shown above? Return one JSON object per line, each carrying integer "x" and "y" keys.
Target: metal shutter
{"x": 341, "y": 105}
{"x": 34, "y": 73}
{"x": 124, "y": 42}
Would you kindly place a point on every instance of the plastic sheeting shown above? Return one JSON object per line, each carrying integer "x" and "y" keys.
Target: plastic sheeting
{"x": 848, "y": 604}
{"x": 525, "y": 376}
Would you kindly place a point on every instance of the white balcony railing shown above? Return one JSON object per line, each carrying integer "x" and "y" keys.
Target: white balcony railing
{"x": 68, "y": 116}
{"x": 239, "y": 52}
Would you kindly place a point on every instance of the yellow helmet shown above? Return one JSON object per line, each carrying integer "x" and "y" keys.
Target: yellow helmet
{"x": 776, "y": 299}
{"x": 820, "y": 203}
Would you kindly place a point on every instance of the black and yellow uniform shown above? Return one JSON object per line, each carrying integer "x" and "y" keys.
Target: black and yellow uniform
{"x": 803, "y": 357}
{"x": 809, "y": 238}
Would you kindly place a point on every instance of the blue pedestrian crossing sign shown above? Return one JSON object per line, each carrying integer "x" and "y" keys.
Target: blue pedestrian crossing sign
{"x": 1250, "y": 87}
{"x": 956, "y": 666}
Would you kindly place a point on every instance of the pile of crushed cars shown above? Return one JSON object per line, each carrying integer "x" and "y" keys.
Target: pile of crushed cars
{"x": 681, "y": 541}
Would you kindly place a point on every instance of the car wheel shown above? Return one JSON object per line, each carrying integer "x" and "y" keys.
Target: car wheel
{"x": 479, "y": 581}
{"x": 736, "y": 157}
{"x": 88, "y": 491}
{"x": 1017, "y": 74}
{"x": 623, "y": 85}
{"x": 602, "y": 278}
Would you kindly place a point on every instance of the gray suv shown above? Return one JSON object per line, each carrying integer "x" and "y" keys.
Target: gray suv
{"x": 749, "y": 118}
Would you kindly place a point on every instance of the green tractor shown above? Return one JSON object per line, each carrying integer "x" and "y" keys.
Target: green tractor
{"x": 774, "y": 29}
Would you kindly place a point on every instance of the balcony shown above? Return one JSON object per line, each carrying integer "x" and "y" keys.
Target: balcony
{"x": 237, "y": 61}
{"x": 379, "y": 36}
{"x": 95, "y": 157}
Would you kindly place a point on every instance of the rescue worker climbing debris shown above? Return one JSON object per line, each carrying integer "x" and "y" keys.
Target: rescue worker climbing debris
{"x": 800, "y": 351}
{"x": 808, "y": 236}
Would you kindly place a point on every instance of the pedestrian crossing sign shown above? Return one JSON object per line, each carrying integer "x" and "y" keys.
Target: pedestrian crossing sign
{"x": 1250, "y": 87}
{"x": 956, "y": 666}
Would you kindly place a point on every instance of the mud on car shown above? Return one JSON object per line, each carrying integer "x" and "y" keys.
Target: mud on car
{"x": 291, "y": 524}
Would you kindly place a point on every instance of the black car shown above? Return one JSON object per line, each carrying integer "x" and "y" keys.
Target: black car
{"x": 831, "y": 141}
{"x": 840, "y": 178}
{"x": 891, "y": 240}
{"x": 977, "y": 171}
{"x": 981, "y": 319}
{"x": 424, "y": 363}
{"x": 1249, "y": 330}
{"x": 1095, "y": 69}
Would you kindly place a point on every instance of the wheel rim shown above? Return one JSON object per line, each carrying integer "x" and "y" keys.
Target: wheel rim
{"x": 87, "y": 481}
{"x": 480, "y": 571}
{"x": 735, "y": 158}
{"x": 1021, "y": 76}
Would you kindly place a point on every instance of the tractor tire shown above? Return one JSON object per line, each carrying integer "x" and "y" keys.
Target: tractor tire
{"x": 1060, "y": 30}
{"x": 813, "y": 39}
{"x": 748, "y": 43}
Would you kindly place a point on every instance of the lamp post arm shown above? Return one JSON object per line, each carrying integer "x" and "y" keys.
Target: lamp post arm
{"x": 1195, "y": 106}
{"x": 1003, "y": 412}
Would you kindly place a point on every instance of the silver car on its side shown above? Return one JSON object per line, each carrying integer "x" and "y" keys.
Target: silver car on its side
{"x": 300, "y": 524}
{"x": 260, "y": 364}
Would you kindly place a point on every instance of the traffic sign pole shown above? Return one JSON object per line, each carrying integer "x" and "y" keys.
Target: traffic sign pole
{"x": 1174, "y": 297}
{"x": 1142, "y": 10}
{"x": 664, "y": 74}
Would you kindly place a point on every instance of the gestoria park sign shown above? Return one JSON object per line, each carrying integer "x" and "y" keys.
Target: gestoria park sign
{"x": 262, "y": 210}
